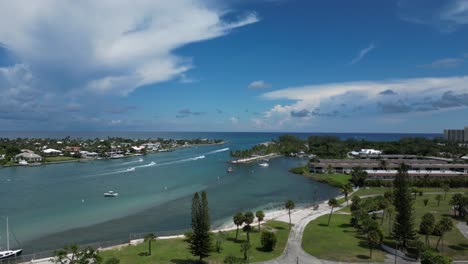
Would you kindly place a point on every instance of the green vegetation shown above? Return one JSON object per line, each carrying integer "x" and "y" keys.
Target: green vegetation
{"x": 199, "y": 239}
{"x": 289, "y": 205}
{"x": 73, "y": 255}
{"x": 170, "y": 251}
{"x": 339, "y": 241}
{"x": 336, "y": 180}
{"x": 403, "y": 229}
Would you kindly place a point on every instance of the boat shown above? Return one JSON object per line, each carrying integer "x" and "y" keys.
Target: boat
{"x": 9, "y": 253}
{"x": 23, "y": 162}
{"x": 111, "y": 194}
{"x": 131, "y": 169}
{"x": 264, "y": 164}
{"x": 229, "y": 169}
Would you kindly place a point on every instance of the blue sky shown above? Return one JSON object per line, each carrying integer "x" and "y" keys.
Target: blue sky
{"x": 251, "y": 65}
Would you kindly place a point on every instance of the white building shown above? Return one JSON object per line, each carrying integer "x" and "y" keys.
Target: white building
{"x": 29, "y": 157}
{"x": 51, "y": 152}
{"x": 366, "y": 152}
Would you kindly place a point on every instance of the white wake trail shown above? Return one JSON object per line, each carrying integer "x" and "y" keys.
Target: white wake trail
{"x": 217, "y": 151}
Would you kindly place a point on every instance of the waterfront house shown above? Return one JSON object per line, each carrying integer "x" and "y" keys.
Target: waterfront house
{"x": 28, "y": 156}
{"x": 51, "y": 152}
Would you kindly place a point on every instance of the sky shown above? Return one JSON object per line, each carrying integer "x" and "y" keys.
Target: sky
{"x": 234, "y": 65}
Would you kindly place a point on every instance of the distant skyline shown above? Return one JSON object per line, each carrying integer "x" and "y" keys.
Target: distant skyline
{"x": 241, "y": 66}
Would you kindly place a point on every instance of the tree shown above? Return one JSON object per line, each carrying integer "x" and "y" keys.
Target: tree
{"x": 149, "y": 237}
{"x": 112, "y": 260}
{"x": 425, "y": 201}
{"x": 443, "y": 226}
{"x": 446, "y": 189}
{"x": 390, "y": 211}
{"x": 403, "y": 229}
{"x": 346, "y": 189}
{"x": 71, "y": 255}
{"x": 356, "y": 203}
{"x": 260, "y": 215}
{"x": 245, "y": 248}
{"x": 438, "y": 199}
{"x": 332, "y": 203}
{"x": 426, "y": 227}
{"x": 374, "y": 237}
{"x": 238, "y": 219}
{"x": 219, "y": 241}
{"x": 358, "y": 176}
{"x": 248, "y": 220}
{"x": 458, "y": 202}
{"x": 268, "y": 240}
{"x": 289, "y": 205}
{"x": 199, "y": 238}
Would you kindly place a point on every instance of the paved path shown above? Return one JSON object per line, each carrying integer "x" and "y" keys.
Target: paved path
{"x": 463, "y": 227}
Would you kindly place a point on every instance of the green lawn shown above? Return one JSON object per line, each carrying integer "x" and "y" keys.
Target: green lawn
{"x": 339, "y": 241}
{"x": 336, "y": 180}
{"x": 175, "y": 250}
{"x": 455, "y": 244}
{"x": 58, "y": 159}
{"x": 381, "y": 190}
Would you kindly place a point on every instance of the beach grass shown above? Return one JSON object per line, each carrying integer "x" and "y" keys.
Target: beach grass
{"x": 339, "y": 241}
{"x": 175, "y": 250}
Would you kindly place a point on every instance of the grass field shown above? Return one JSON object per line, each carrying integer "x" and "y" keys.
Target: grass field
{"x": 336, "y": 180}
{"x": 339, "y": 241}
{"x": 58, "y": 159}
{"x": 175, "y": 250}
{"x": 351, "y": 245}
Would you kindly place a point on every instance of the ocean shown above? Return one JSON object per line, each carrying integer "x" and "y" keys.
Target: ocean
{"x": 50, "y": 206}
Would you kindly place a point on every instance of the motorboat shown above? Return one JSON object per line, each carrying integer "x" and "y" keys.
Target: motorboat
{"x": 111, "y": 194}
{"x": 264, "y": 164}
{"x": 9, "y": 253}
{"x": 131, "y": 169}
{"x": 23, "y": 162}
{"x": 229, "y": 169}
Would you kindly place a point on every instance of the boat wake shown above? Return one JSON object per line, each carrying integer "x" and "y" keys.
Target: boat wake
{"x": 182, "y": 160}
{"x": 217, "y": 151}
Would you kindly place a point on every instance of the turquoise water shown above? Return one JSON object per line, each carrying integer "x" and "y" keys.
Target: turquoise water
{"x": 53, "y": 205}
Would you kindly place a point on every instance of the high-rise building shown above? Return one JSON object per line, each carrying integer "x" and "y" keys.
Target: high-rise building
{"x": 456, "y": 135}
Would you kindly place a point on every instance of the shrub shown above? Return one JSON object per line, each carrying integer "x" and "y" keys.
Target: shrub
{"x": 268, "y": 240}
{"x": 431, "y": 257}
{"x": 233, "y": 260}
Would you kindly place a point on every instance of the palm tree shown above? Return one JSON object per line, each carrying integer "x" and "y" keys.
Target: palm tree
{"x": 149, "y": 237}
{"x": 289, "y": 205}
{"x": 374, "y": 237}
{"x": 390, "y": 211}
{"x": 260, "y": 215}
{"x": 445, "y": 225}
{"x": 383, "y": 164}
{"x": 238, "y": 219}
{"x": 346, "y": 189}
{"x": 248, "y": 219}
{"x": 446, "y": 189}
{"x": 332, "y": 203}
{"x": 438, "y": 198}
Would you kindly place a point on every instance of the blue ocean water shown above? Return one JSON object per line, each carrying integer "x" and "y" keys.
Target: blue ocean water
{"x": 53, "y": 205}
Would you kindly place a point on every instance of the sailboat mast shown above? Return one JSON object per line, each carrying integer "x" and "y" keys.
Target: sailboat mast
{"x": 7, "y": 235}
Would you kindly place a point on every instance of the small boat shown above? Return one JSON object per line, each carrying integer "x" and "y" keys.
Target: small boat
{"x": 264, "y": 164}
{"x": 9, "y": 253}
{"x": 229, "y": 169}
{"x": 23, "y": 162}
{"x": 111, "y": 194}
{"x": 130, "y": 169}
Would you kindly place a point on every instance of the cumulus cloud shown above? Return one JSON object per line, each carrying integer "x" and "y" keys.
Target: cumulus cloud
{"x": 362, "y": 53}
{"x": 388, "y": 92}
{"x": 363, "y": 98}
{"x": 444, "y": 63}
{"x": 234, "y": 120}
{"x": 260, "y": 84}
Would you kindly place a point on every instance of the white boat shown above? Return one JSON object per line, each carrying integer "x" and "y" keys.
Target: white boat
{"x": 264, "y": 164}
{"x": 9, "y": 253}
{"x": 23, "y": 162}
{"x": 130, "y": 169}
{"x": 229, "y": 169}
{"x": 111, "y": 194}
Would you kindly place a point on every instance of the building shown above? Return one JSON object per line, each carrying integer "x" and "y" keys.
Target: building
{"x": 456, "y": 135}
{"x": 386, "y": 169}
{"x": 51, "y": 152}
{"x": 28, "y": 156}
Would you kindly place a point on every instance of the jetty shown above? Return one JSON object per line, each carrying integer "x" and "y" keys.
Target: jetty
{"x": 255, "y": 158}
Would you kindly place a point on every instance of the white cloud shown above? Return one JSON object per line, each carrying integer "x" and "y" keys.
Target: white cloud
{"x": 234, "y": 120}
{"x": 363, "y": 53}
{"x": 115, "y": 122}
{"x": 260, "y": 84}
{"x": 444, "y": 63}
{"x": 109, "y": 46}
{"x": 363, "y": 98}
